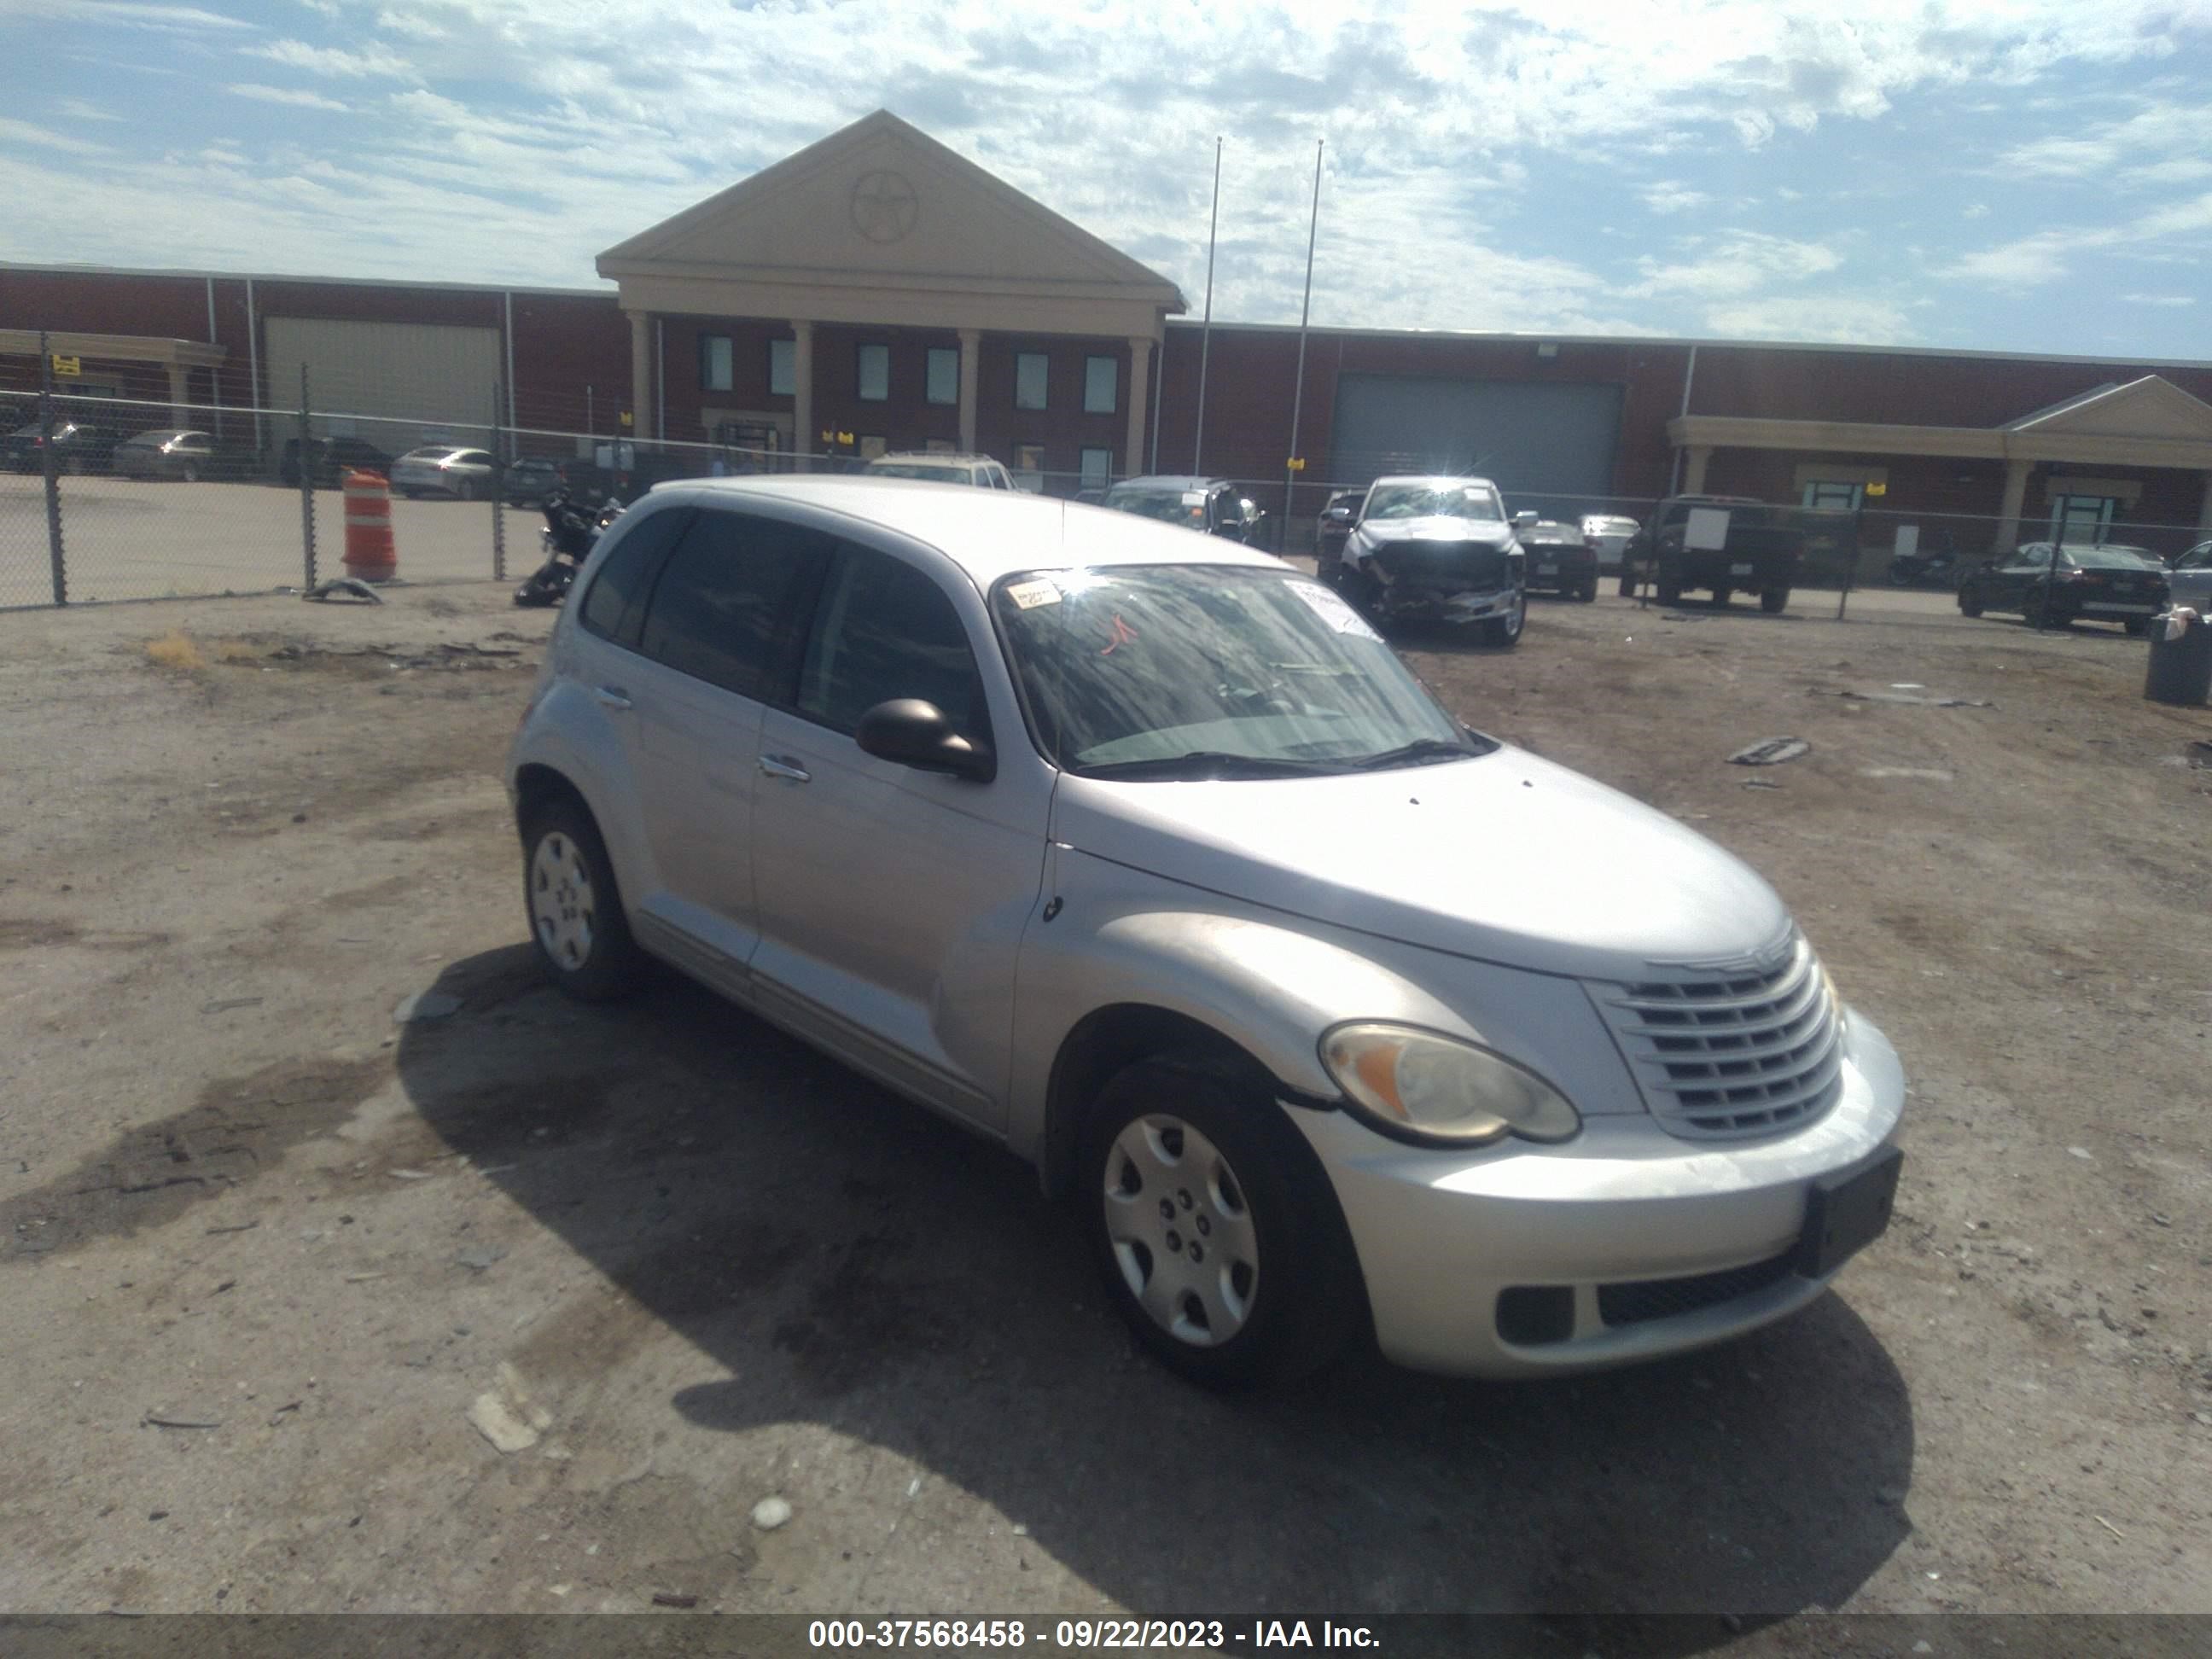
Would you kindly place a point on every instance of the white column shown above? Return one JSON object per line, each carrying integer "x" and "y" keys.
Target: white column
{"x": 1140, "y": 389}
{"x": 1693, "y": 470}
{"x": 971, "y": 366}
{"x": 640, "y": 373}
{"x": 180, "y": 395}
{"x": 805, "y": 438}
{"x": 2015, "y": 497}
{"x": 2204, "y": 513}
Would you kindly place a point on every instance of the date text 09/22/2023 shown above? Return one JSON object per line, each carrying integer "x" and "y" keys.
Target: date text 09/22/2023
{"x": 1085, "y": 1635}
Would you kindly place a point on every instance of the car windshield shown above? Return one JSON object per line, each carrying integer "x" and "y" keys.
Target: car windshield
{"x": 2108, "y": 558}
{"x": 1205, "y": 671}
{"x": 922, "y": 470}
{"x": 1553, "y": 535}
{"x": 162, "y": 437}
{"x": 1168, "y": 505}
{"x": 432, "y": 452}
{"x": 1434, "y": 501}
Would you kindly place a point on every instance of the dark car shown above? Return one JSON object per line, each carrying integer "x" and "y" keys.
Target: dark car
{"x": 176, "y": 452}
{"x": 1432, "y": 549}
{"x": 1720, "y": 544}
{"x": 2189, "y": 579}
{"x": 1332, "y": 529}
{"x": 1561, "y": 560}
{"x": 2044, "y": 583}
{"x": 528, "y": 479}
{"x": 333, "y": 458}
{"x": 79, "y": 447}
{"x": 1213, "y": 506}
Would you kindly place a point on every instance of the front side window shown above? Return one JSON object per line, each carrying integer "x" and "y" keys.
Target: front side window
{"x": 1029, "y": 379}
{"x": 2034, "y": 557}
{"x": 715, "y": 363}
{"x": 944, "y": 375}
{"x": 1434, "y": 501}
{"x": 782, "y": 368}
{"x": 884, "y": 630}
{"x": 875, "y": 374}
{"x": 718, "y": 604}
{"x": 1100, "y": 385}
{"x": 1196, "y": 670}
{"x": 1098, "y": 468}
{"x": 612, "y": 605}
{"x": 1170, "y": 505}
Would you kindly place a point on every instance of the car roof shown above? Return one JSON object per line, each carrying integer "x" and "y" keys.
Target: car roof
{"x": 1433, "y": 478}
{"x": 1172, "y": 481}
{"x": 937, "y": 456}
{"x": 987, "y": 533}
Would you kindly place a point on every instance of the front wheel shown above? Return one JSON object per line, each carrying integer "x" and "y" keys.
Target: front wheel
{"x": 576, "y": 921}
{"x": 1666, "y": 593}
{"x": 2137, "y": 626}
{"x": 1970, "y": 602}
{"x": 1721, "y": 598}
{"x": 1627, "y": 584}
{"x": 1505, "y": 631}
{"x": 1214, "y": 1227}
{"x": 191, "y": 474}
{"x": 467, "y": 490}
{"x": 1774, "y": 601}
{"x": 1586, "y": 593}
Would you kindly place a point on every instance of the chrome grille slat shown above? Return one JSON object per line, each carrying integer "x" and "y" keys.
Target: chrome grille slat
{"x": 1724, "y": 1055}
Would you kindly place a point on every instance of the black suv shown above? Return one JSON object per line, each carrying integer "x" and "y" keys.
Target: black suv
{"x": 1720, "y": 544}
{"x": 333, "y": 458}
{"x": 79, "y": 447}
{"x": 1212, "y": 506}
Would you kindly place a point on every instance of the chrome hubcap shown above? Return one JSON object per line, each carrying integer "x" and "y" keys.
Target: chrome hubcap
{"x": 1181, "y": 1232}
{"x": 562, "y": 905}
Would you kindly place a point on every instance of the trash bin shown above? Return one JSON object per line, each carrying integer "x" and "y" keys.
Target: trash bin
{"x": 2180, "y": 669}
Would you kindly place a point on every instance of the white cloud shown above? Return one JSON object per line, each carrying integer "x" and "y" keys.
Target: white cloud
{"x": 1670, "y": 196}
{"x": 2159, "y": 143}
{"x": 373, "y": 61}
{"x": 1845, "y": 318}
{"x": 13, "y": 131}
{"x": 1739, "y": 262}
{"x": 292, "y": 95}
{"x": 81, "y": 109}
{"x": 2160, "y": 299}
{"x": 129, "y": 14}
{"x": 1976, "y": 211}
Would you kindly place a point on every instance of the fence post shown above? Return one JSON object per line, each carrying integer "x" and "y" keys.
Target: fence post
{"x": 46, "y": 467}
{"x": 499, "y": 464}
{"x": 307, "y": 482}
{"x": 1852, "y": 564}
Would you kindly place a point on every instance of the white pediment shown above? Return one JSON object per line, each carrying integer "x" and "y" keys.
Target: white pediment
{"x": 2151, "y": 407}
{"x": 882, "y": 201}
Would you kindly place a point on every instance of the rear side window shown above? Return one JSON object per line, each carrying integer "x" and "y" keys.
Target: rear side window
{"x": 613, "y": 604}
{"x": 722, "y": 601}
{"x": 884, "y": 630}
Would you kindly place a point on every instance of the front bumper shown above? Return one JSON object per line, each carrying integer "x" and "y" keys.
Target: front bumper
{"x": 1442, "y": 1236}
{"x": 1401, "y": 602}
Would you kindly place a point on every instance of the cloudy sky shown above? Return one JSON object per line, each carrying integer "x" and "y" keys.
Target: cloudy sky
{"x": 2008, "y": 174}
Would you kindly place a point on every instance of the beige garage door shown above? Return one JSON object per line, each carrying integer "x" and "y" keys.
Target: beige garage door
{"x": 396, "y": 385}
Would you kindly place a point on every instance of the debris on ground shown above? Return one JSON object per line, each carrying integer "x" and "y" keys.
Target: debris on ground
{"x": 507, "y": 1416}
{"x": 1933, "y": 773}
{"x": 1760, "y": 783}
{"x": 1912, "y": 698}
{"x": 770, "y": 1513}
{"x": 343, "y": 587}
{"x": 227, "y": 1004}
{"x": 1771, "y": 752}
{"x": 155, "y": 1420}
{"x": 425, "y": 1005}
{"x": 478, "y": 1257}
{"x": 673, "y": 1598}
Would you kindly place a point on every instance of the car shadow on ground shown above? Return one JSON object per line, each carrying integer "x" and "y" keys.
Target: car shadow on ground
{"x": 852, "y": 1262}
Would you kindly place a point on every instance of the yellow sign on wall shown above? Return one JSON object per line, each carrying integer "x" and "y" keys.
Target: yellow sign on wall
{"x": 68, "y": 368}
{"x": 1296, "y": 464}
{"x": 1877, "y": 489}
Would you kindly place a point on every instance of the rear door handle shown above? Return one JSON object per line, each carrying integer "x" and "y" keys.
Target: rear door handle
{"x": 778, "y": 766}
{"x": 613, "y": 695}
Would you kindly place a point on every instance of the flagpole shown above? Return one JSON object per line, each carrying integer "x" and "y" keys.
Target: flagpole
{"x": 1298, "y": 386}
{"x": 1205, "y": 337}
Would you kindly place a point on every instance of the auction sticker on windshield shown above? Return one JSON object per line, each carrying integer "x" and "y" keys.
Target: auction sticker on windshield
{"x": 1332, "y": 609}
{"x": 1030, "y": 594}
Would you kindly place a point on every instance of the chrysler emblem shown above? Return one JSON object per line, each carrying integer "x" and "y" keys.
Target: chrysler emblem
{"x": 885, "y": 206}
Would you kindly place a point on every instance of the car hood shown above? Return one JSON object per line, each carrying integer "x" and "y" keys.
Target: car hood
{"x": 1506, "y": 858}
{"x": 1382, "y": 532}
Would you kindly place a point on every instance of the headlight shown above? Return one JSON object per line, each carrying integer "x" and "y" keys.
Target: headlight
{"x": 1419, "y": 1085}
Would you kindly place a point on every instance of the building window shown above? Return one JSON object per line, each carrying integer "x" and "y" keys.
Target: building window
{"x": 944, "y": 375}
{"x": 2081, "y": 520}
{"x": 1098, "y": 463}
{"x": 1832, "y": 493}
{"x": 875, "y": 371}
{"x": 782, "y": 368}
{"x": 1029, "y": 379}
{"x": 715, "y": 363}
{"x": 1028, "y": 466}
{"x": 1102, "y": 379}
{"x": 873, "y": 444}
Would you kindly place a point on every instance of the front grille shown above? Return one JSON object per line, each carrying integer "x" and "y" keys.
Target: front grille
{"x": 1459, "y": 566}
{"x": 1663, "y": 1299}
{"x": 1722, "y": 1052}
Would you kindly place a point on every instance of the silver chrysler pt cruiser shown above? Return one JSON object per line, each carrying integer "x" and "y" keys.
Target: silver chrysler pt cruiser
{"x": 1144, "y": 854}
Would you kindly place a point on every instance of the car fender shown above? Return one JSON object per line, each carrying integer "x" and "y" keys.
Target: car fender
{"x": 568, "y": 732}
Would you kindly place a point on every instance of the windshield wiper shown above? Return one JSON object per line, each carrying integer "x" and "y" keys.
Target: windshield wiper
{"x": 1416, "y": 753}
{"x": 1210, "y": 763}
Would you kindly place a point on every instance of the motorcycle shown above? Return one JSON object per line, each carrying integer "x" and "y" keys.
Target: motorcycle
{"x": 1937, "y": 568}
{"x": 570, "y": 533}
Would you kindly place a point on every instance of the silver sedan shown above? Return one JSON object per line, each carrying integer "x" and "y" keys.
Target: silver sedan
{"x": 444, "y": 469}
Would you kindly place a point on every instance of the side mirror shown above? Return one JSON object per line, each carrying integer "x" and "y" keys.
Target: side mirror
{"x": 1522, "y": 520}
{"x": 913, "y": 732}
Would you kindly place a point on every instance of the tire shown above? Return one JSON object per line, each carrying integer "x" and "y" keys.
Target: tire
{"x": 1504, "y": 632}
{"x": 1627, "y": 584}
{"x": 567, "y": 880}
{"x": 73, "y": 466}
{"x": 1721, "y": 598}
{"x": 412, "y": 495}
{"x": 1666, "y": 594}
{"x": 1183, "y": 1165}
{"x": 1586, "y": 593}
{"x": 189, "y": 473}
{"x": 2033, "y": 611}
{"x": 1970, "y": 602}
{"x": 2137, "y": 626}
{"x": 1774, "y": 601}
{"x": 465, "y": 490}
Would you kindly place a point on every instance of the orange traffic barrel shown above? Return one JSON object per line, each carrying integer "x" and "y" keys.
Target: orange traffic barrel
{"x": 370, "y": 555}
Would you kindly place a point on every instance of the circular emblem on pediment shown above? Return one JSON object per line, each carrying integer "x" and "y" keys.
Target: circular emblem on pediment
{"x": 885, "y": 206}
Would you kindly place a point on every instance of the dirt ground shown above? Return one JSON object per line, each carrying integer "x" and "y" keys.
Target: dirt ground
{"x": 274, "y": 1268}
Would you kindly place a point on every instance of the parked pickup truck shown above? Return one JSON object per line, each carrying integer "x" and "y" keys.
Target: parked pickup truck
{"x": 1761, "y": 548}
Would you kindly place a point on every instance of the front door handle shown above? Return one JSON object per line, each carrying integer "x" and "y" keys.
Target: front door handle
{"x": 613, "y": 695}
{"x": 778, "y": 766}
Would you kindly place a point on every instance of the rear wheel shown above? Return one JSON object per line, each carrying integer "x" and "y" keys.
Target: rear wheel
{"x": 190, "y": 473}
{"x": 1214, "y": 1226}
{"x": 467, "y": 491}
{"x": 1587, "y": 592}
{"x": 1970, "y": 602}
{"x": 1721, "y": 597}
{"x": 1774, "y": 600}
{"x": 1666, "y": 592}
{"x": 2136, "y": 625}
{"x": 1627, "y": 584}
{"x": 2035, "y": 612}
{"x": 576, "y": 921}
